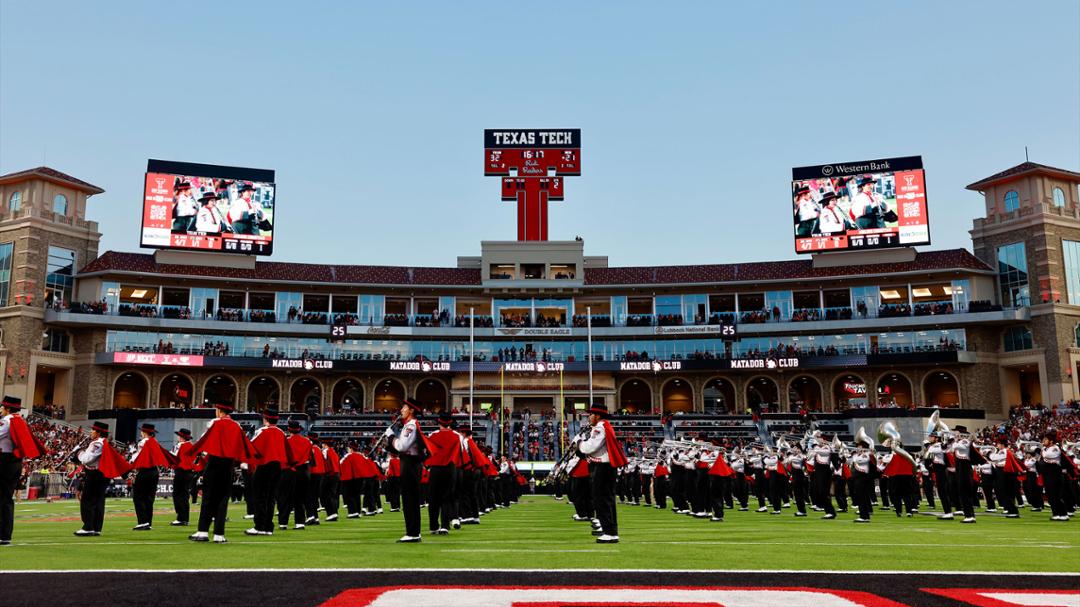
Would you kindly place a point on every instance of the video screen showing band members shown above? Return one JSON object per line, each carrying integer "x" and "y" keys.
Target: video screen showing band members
{"x": 868, "y": 211}
{"x": 208, "y": 213}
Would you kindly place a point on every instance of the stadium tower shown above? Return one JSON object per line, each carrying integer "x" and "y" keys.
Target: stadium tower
{"x": 44, "y": 238}
{"x": 1031, "y": 236}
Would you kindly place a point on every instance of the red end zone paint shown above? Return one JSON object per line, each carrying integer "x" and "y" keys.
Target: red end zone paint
{"x": 605, "y": 596}
{"x": 980, "y": 598}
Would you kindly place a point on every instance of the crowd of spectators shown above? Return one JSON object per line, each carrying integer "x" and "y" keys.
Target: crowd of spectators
{"x": 60, "y": 441}
{"x": 89, "y": 307}
{"x": 894, "y": 310}
{"x": 598, "y": 320}
{"x": 262, "y": 316}
{"x": 230, "y": 315}
{"x": 933, "y": 308}
{"x": 479, "y": 321}
{"x": 523, "y": 353}
{"x": 395, "y": 320}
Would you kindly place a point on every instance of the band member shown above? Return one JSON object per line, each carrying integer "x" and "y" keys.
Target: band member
{"x": 901, "y": 473}
{"x": 863, "y": 468}
{"x": 208, "y": 219}
{"x": 445, "y": 445}
{"x": 661, "y": 476}
{"x": 936, "y": 457}
{"x": 269, "y": 442}
{"x": 987, "y": 480}
{"x": 244, "y": 213}
{"x": 823, "y": 461}
{"x": 100, "y": 463}
{"x": 831, "y": 218}
{"x": 740, "y": 489}
{"x": 795, "y": 462}
{"x": 184, "y": 208}
{"x": 409, "y": 444}
{"x": 350, "y": 470}
{"x": 292, "y": 491}
{"x": 1033, "y": 488}
{"x": 183, "y": 477}
{"x": 473, "y": 480}
{"x": 16, "y": 444}
{"x": 328, "y": 497}
{"x": 316, "y": 472}
{"x": 392, "y": 486}
{"x": 1053, "y": 476}
{"x": 964, "y": 456}
{"x": 777, "y": 477}
{"x": 580, "y": 490}
{"x": 806, "y": 212}
{"x": 720, "y": 475}
{"x": 605, "y": 457}
{"x": 225, "y": 445}
{"x": 149, "y": 456}
{"x": 1007, "y": 469}
{"x": 869, "y": 206}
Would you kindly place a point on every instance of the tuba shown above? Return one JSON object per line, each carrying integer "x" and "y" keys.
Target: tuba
{"x": 936, "y": 425}
{"x": 889, "y": 434}
{"x": 862, "y": 436}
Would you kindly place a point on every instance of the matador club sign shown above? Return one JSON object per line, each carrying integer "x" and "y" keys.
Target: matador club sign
{"x": 533, "y": 164}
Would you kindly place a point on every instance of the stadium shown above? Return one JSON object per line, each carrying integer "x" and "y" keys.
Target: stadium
{"x": 516, "y": 345}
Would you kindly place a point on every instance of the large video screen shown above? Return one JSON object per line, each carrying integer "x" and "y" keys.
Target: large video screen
{"x": 208, "y": 208}
{"x": 874, "y": 204}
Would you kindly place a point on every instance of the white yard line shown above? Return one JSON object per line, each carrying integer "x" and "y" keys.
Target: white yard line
{"x": 549, "y": 570}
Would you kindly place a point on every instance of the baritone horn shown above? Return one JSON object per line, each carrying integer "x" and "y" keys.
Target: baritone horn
{"x": 936, "y": 425}
{"x": 862, "y": 437}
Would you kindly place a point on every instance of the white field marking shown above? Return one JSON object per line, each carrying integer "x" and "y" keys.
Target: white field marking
{"x": 482, "y": 570}
{"x": 1047, "y": 599}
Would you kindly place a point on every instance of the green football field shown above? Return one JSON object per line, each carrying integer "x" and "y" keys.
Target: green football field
{"x": 538, "y": 534}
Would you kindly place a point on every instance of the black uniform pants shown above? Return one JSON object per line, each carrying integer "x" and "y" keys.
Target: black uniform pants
{"x": 1007, "y": 488}
{"x": 717, "y": 490}
{"x": 701, "y": 490}
{"x": 311, "y": 497}
{"x": 904, "y": 495}
{"x": 581, "y": 496}
{"x": 927, "y": 489}
{"x": 143, "y": 492}
{"x": 987, "y": 483}
{"x": 761, "y": 487}
{"x": 393, "y": 492}
{"x": 1032, "y": 491}
{"x": 798, "y": 488}
{"x": 264, "y": 486}
{"x": 777, "y": 486}
{"x": 660, "y": 488}
{"x": 350, "y": 493}
{"x": 821, "y": 480}
{"x": 602, "y": 482}
{"x": 941, "y": 480}
{"x": 217, "y": 481}
{"x": 410, "y": 493}
{"x": 10, "y": 470}
{"x": 181, "y": 494}
{"x": 862, "y": 485}
{"x": 965, "y": 487}
{"x": 1054, "y": 481}
{"x": 678, "y": 487}
{"x": 301, "y": 477}
{"x": 742, "y": 489}
{"x": 92, "y": 504}
{"x": 841, "y": 489}
{"x": 440, "y": 492}
{"x": 646, "y": 488}
{"x": 328, "y": 497}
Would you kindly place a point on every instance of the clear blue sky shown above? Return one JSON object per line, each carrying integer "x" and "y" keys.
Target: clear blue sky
{"x": 692, "y": 113}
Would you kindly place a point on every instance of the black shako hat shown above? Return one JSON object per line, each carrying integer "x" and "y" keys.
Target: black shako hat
{"x": 12, "y": 403}
{"x": 294, "y": 426}
{"x": 207, "y": 196}
{"x": 101, "y": 428}
{"x": 413, "y": 404}
{"x": 445, "y": 418}
{"x": 148, "y": 428}
{"x": 224, "y": 407}
{"x": 866, "y": 181}
{"x": 314, "y": 436}
{"x": 600, "y": 410}
{"x": 183, "y": 433}
{"x": 271, "y": 414}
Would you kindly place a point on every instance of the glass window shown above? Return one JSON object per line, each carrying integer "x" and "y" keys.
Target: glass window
{"x": 1070, "y": 250}
{"x": 1012, "y": 201}
{"x": 1018, "y": 338}
{"x": 618, "y": 310}
{"x": 866, "y": 300}
{"x": 371, "y": 309}
{"x": 56, "y": 341}
{"x": 15, "y": 202}
{"x": 59, "y": 204}
{"x": 1012, "y": 275}
{"x": 290, "y": 306}
{"x": 960, "y": 291}
{"x": 204, "y": 302}
{"x": 60, "y": 276}
{"x": 1059, "y": 197}
{"x": 778, "y": 304}
{"x": 5, "y": 271}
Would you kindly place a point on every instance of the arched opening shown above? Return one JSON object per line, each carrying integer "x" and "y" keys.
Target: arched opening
{"x": 432, "y": 394}
{"x": 130, "y": 391}
{"x": 263, "y": 391}
{"x": 305, "y": 396}
{"x": 677, "y": 395}
{"x": 940, "y": 389}
{"x": 348, "y": 396}
{"x": 894, "y": 390}
{"x": 849, "y": 392}
{"x": 719, "y": 396}
{"x": 804, "y": 392}
{"x": 763, "y": 395}
{"x": 388, "y": 396}
{"x": 635, "y": 397}
{"x": 175, "y": 392}
{"x": 219, "y": 390}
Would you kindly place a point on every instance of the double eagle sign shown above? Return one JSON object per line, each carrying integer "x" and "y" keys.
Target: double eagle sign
{"x": 532, "y": 163}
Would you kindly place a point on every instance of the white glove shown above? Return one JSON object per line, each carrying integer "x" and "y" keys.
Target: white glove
{"x": 243, "y": 466}
{"x": 389, "y": 432}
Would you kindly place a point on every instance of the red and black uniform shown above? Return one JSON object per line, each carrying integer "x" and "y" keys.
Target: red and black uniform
{"x": 183, "y": 477}
{"x": 316, "y": 476}
{"x": 293, "y": 488}
{"x": 16, "y": 444}
{"x": 661, "y": 477}
{"x": 442, "y": 464}
{"x": 720, "y": 475}
{"x": 269, "y": 441}
{"x": 149, "y": 457}
{"x": 225, "y": 446}
{"x": 580, "y": 492}
{"x": 328, "y": 497}
{"x": 392, "y": 485}
{"x": 902, "y": 490}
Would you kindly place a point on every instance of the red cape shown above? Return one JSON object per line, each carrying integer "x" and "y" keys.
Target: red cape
{"x": 393, "y": 468}
{"x": 721, "y": 468}
{"x": 899, "y": 466}
{"x": 444, "y": 445}
{"x": 352, "y": 466}
{"x": 614, "y": 449}
{"x": 186, "y": 456}
{"x": 581, "y": 469}
{"x": 299, "y": 450}
{"x": 661, "y": 470}
{"x": 333, "y": 463}
{"x": 152, "y": 455}
{"x": 27, "y": 446}
{"x": 1013, "y": 465}
{"x": 225, "y": 438}
{"x": 318, "y": 462}
{"x": 112, "y": 464}
{"x": 270, "y": 443}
